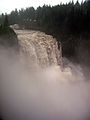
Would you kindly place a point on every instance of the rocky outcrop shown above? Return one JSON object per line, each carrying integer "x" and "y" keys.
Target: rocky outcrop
{"x": 84, "y": 51}
{"x": 76, "y": 48}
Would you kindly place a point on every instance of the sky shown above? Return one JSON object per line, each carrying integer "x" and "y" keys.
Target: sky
{"x": 9, "y": 5}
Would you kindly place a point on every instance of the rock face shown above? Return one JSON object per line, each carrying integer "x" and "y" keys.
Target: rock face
{"x": 38, "y": 49}
{"x": 84, "y": 52}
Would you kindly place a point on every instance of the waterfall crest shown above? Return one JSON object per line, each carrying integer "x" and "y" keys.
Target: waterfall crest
{"x": 38, "y": 49}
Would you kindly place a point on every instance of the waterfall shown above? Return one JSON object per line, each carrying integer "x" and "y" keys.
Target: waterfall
{"x": 44, "y": 94}
{"x": 38, "y": 49}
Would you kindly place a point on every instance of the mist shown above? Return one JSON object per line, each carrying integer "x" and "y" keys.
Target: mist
{"x": 52, "y": 93}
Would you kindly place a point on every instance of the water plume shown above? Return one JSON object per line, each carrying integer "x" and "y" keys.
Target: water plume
{"x": 44, "y": 94}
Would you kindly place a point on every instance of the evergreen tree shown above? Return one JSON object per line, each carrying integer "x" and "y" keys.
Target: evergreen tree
{"x": 6, "y": 22}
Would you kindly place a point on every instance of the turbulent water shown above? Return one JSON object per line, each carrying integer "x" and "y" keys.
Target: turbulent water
{"x": 49, "y": 93}
{"x": 38, "y": 49}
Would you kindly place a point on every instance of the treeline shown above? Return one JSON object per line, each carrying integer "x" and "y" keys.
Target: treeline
{"x": 5, "y": 26}
{"x": 74, "y": 18}
{"x": 64, "y": 21}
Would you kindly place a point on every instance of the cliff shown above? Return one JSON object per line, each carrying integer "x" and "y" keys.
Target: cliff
{"x": 8, "y": 38}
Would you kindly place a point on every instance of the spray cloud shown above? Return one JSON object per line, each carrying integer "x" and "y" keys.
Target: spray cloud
{"x": 48, "y": 94}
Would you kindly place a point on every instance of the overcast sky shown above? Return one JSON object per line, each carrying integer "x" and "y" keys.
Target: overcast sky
{"x": 9, "y": 5}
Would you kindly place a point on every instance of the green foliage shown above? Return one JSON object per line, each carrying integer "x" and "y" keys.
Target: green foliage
{"x": 8, "y": 37}
{"x": 73, "y": 18}
{"x": 6, "y": 23}
{"x": 4, "y": 26}
{"x": 62, "y": 21}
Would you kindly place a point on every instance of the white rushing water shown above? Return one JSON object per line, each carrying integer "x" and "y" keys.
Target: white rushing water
{"x": 49, "y": 93}
{"x": 38, "y": 48}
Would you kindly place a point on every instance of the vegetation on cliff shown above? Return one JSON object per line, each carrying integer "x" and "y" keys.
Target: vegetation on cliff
{"x": 71, "y": 18}
{"x": 7, "y": 35}
{"x": 69, "y": 23}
